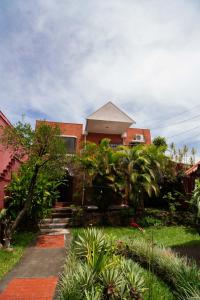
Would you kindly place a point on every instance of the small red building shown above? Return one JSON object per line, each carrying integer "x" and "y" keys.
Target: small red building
{"x": 9, "y": 163}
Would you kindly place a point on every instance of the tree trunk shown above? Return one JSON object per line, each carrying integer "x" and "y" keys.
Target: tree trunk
{"x": 28, "y": 201}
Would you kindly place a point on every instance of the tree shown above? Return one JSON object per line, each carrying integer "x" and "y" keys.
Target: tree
{"x": 142, "y": 167}
{"x": 160, "y": 141}
{"x": 99, "y": 163}
{"x": 45, "y": 151}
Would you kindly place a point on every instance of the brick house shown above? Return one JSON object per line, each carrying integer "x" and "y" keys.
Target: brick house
{"x": 107, "y": 122}
{"x": 9, "y": 162}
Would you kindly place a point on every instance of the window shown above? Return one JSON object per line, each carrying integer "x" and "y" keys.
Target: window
{"x": 70, "y": 143}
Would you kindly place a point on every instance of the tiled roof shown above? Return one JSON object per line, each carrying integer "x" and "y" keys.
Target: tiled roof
{"x": 193, "y": 169}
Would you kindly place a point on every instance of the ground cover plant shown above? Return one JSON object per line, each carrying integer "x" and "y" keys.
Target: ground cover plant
{"x": 9, "y": 258}
{"x": 182, "y": 275}
{"x": 166, "y": 236}
{"x": 94, "y": 271}
{"x": 166, "y": 275}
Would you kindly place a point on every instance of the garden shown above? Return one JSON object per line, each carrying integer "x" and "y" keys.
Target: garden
{"x": 135, "y": 229}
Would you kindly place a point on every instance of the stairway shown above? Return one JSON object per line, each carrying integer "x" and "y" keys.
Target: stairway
{"x": 60, "y": 220}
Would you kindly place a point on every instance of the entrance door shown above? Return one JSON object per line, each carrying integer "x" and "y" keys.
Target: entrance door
{"x": 66, "y": 189}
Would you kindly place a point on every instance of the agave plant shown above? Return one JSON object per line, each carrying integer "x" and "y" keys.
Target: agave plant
{"x": 93, "y": 271}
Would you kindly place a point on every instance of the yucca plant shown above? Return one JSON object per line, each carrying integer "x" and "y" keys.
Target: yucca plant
{"x": 93, "y": 263}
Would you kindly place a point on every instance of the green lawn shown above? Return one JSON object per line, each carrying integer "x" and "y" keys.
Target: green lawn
{"x": 167, "y": 236}
{"x": 9, "y": 259}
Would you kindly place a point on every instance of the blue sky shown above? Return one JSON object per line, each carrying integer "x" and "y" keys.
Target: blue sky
{"x": 61, "y": 60}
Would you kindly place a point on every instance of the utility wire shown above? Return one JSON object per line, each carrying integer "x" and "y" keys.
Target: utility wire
{"x": 196, "y": 135}
{"x": 175, "y": 116}
{"x": 183, "y": 132}
{"x": 176, "y": 123}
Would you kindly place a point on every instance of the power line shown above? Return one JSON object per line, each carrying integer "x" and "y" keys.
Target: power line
{"x": 179, "y": 114}
{"x": 183, "y": 132}
{"x": 186, "y": 120}
{"x": 196, "y": 135}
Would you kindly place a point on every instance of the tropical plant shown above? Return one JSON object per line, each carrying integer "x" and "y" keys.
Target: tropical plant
{"x": 93, "y": 271}
{"x": 46, "y": 154}
{"x": 178, "y": 272}
{"x": 160, "y": 141}
{"x": 195, "y": 201}
{"x": 99, "y": 163}
{"x": 142, "y": 167}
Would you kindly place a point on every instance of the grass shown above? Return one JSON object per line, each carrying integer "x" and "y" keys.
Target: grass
{"x": 9, "y": 259}
{"x": 167, "y": 236}
{"x": 157, "y": 289}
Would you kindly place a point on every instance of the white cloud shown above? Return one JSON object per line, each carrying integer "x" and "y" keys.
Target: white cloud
{"x": 62, "y": 58}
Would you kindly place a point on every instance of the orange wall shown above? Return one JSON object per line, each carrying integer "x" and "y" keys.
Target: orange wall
{"x": 97, "y": 137}
{"x": 77, "y": 130}
{"x": 67, "y": 129}
{"x": 132, "y": 131}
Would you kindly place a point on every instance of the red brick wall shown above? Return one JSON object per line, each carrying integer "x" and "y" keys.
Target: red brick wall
{"x": 77, "y": 130}
{"x": 132, "y": 131}
{"x": 67, "y": 129}
{"x": 97, "y": 137}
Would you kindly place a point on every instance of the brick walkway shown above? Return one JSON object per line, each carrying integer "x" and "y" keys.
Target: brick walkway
{"x": 36, "y": 275}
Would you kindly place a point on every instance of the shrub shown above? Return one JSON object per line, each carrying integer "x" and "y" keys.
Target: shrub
{"x": 93, "y": 271}
{"x": 182, "y": 275}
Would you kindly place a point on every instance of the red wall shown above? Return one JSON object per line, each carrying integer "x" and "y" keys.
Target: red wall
{"x": 67, "y": 129}
{"x": 97, "y": 137}
{"x": 132, "y": 131}
{"x": 8, "y": 163}
{"x": 77, "y": 130}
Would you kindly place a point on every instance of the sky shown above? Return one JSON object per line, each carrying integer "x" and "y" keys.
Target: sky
{"x": 62, "y": 59}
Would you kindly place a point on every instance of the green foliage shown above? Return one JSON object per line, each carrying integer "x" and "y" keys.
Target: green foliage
{"x": 131, "y": 173}
{"x": 173, "y": 200}
{"x": 182, "y": 275}
{"x": 196, "y": 199}
{"x": 93, "y": 271}
{"x": 44, "y": 194}
{"x": 9, "y": 259}
{"x": 34, "y": 187}
{"x": 160, "y": 141}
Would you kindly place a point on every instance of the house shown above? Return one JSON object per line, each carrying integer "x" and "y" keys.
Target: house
{"x": 191, "y": 175}
{"x": 9, "y": 162}
{"x": 108, "y": 121}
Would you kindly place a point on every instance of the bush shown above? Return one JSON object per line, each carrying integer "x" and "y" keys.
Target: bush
{"x": 182, "y": 275}
{"x": 45, "y": 193}
{"x": 93, "y": 271}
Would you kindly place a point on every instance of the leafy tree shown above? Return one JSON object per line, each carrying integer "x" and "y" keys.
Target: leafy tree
{"x": 45, "y": 152}
{"x": 99, "y": 162}
{"x": 142, "y": 167}
{"x": 160, "y": 141}
{"x": 131, "y": 172}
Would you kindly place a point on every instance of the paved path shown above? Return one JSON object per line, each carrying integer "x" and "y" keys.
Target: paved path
{"x": 36, "y": 275}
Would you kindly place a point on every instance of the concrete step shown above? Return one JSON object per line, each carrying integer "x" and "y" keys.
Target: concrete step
{"x": 62, "y": 215}
{"x": 52, "y": 231}
{"x": 54, "y": 225}
{"x": 61, "y": 209}
{"x": 55, "y": 220}
{"x": 63, "y": 204}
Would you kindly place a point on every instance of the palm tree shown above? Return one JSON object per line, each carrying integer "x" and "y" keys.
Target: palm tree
{"x": 193, "y": 152}
{"x": 141, "y": 167}
{"x": 185, "y": 152}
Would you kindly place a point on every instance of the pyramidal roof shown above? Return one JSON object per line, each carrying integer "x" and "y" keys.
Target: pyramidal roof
{"x": 110, "y": 112}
